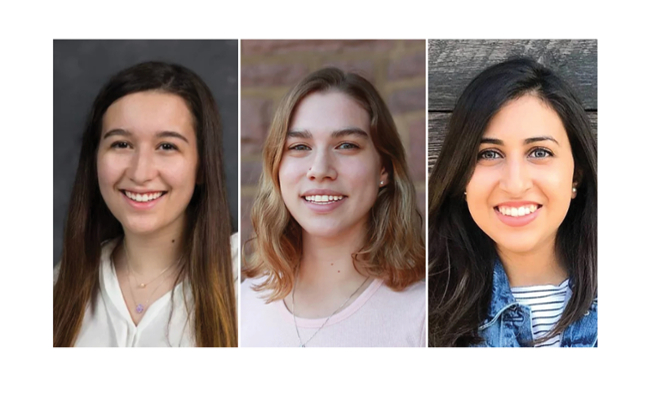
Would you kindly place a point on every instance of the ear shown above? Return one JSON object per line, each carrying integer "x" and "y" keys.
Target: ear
{"x": 384, "y": 177}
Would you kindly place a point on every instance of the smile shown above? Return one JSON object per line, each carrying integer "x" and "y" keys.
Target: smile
{"x": 517, "y": 215}
{"x": 323, "y": 199}
{"x": 143, "y": 197}
{"x": 517, "y": 211}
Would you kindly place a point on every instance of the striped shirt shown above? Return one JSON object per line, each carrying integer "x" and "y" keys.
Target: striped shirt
{"x": 546, "y": 303}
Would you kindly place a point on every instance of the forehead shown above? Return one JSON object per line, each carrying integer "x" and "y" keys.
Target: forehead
{"x": 325, "y": 112}
{"x": 149, "y": 112}
{"x": 525, "y": 117}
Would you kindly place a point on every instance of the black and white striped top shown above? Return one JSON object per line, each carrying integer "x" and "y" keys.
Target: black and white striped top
{"x": 546, "y": 303}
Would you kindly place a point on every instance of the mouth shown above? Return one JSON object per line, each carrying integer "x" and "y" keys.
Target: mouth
{"x": 516, "y": 212}
{"x": 143, "y": 197}
{"x": 323, "y": 199}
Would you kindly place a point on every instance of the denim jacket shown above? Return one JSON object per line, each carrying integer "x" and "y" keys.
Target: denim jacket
{"x": 508, "y": 323}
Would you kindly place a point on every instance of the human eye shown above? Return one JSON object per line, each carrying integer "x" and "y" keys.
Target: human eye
{"x": 489, "y": 154}
{"x": 120, "y": 144}
{"x": 347, "y": 146}
{"x": 168, "y": 146}
{"x": 540, "y": 152}
{"x": 299, "y": 147}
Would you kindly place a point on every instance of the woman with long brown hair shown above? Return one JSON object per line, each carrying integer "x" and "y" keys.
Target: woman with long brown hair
{"x": 338, "y": 256}
{"x": 513, "y": 216}
{"x": 147, "y": 259}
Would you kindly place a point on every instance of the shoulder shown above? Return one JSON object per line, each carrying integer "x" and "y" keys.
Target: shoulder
{"x": 105, "y": 256}
{"x": 248, "y": 292}
{"x": 409, "y": 302}
{"x": 414, "y": 293}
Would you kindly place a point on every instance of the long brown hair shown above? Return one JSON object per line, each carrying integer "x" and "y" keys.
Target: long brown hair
{"x": 461, "y": 256}
{"x": 394, "y": 248}
{"x": 206, "y": 254}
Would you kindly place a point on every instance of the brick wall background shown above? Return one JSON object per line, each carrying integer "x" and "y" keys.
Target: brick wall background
{"x": 269, "y": 68}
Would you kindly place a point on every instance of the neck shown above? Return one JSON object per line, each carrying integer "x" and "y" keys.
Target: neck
{"x": 327, "y": 262}
{"x": 535, "y": 267}
{"x": 152, "y": 253}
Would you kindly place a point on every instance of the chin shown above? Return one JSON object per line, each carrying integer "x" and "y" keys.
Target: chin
{"x": 517, "y": 245}
{"x": 141, "y": 227}
{"x": 323, "y": 231}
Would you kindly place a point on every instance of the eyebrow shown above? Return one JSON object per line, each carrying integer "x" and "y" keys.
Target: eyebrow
{"x": 123, "y": 132}
{"x": 526, "y": 141}
{"x": 335, "y": 134}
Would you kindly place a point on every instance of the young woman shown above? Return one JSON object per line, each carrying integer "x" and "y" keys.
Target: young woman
{"x": 513, "y": 216}
{"x": 338, "y": 254}
{"x": 146, "y": 258}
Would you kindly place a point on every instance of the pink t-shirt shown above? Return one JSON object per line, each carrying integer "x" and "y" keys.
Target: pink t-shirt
{"x": 379, "y": 317}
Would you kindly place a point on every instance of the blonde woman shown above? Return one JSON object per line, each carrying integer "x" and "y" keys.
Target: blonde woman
{"x": 338, "y": 255}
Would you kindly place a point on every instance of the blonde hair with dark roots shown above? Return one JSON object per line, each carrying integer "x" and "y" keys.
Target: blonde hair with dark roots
{"x": 394, "y": 248}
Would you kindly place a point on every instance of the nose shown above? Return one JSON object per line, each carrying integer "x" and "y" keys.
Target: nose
{"x": 322, "y": 167}
{"x": 515, "y": 178}
{"x": 141, "y": 167}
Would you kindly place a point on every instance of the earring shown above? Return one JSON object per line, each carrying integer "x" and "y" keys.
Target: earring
{"x": 381, "y": 183}
{"x": 574, "y": 190}
{"x": 464, "y": 193}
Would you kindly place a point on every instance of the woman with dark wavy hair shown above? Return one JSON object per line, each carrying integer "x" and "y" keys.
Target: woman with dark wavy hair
{"x": 513, "y": 216}
{"x": 338, "y": 256}
{"x": 147, "y": 259}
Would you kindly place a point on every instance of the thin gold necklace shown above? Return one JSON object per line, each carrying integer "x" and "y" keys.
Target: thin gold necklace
{"x": 144, "y": 285}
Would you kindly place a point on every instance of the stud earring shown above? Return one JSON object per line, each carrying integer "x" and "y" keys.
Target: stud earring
{"x": 574, "y": 190}
{"x": 381, "y": 183}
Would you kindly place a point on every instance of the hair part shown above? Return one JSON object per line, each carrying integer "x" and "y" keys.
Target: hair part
{"x": 461, "y": 255}
{"x": 206, "y": 254}
{"x": 394, "y": 247}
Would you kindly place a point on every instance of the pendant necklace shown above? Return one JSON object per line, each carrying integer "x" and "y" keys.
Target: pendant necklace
{"x": 296, "y": 282}
{"x": 139, "y": 306}
{"x": 144, "y": 285}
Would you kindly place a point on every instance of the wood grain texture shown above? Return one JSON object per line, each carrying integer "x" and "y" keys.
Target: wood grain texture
{"x": 438, "y": 124}
{"x": 452, "y": 64}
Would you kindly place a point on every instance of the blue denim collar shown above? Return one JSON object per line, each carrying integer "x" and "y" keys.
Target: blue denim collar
{"x": 581, "y": 333}
{"x": 501, "y": 294}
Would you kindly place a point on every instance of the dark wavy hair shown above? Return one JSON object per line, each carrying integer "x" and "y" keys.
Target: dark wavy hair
{"x": 206, "y": 254}
{"x": 461, "y": 256}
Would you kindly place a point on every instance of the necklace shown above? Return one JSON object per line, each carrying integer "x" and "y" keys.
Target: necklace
{"x": 139, "y": 307}
{"x": 303, "y": 344}
{"x": 144, "y": 285}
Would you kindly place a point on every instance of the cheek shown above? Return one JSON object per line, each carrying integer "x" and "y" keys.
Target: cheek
{"x": 290, "y": 172}
{"x": 181, "y": 174}
{"x": 362, "y": 175}
{"x": 108, "y": 171}
{"x": 478, "y": 192}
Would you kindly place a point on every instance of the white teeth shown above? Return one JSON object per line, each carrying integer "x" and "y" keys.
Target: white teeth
{"x": 326, "y": 199}
{"x": 143, "y": 198}
{"x": 517, "y": 212}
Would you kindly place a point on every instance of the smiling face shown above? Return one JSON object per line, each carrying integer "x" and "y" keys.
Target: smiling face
{"x": 522, "y": 184}
{"x": 330, "y": 172}
{"x": 147, "y": 161}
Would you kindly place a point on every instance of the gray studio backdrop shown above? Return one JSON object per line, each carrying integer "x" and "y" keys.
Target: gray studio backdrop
{"x": 81, "y": 67}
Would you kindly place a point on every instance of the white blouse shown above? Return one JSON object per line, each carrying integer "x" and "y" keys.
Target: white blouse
{"x": 166, "y": 323}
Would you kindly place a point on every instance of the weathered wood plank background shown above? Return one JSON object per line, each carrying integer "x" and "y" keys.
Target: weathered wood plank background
{"x": 452, "y": 64}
